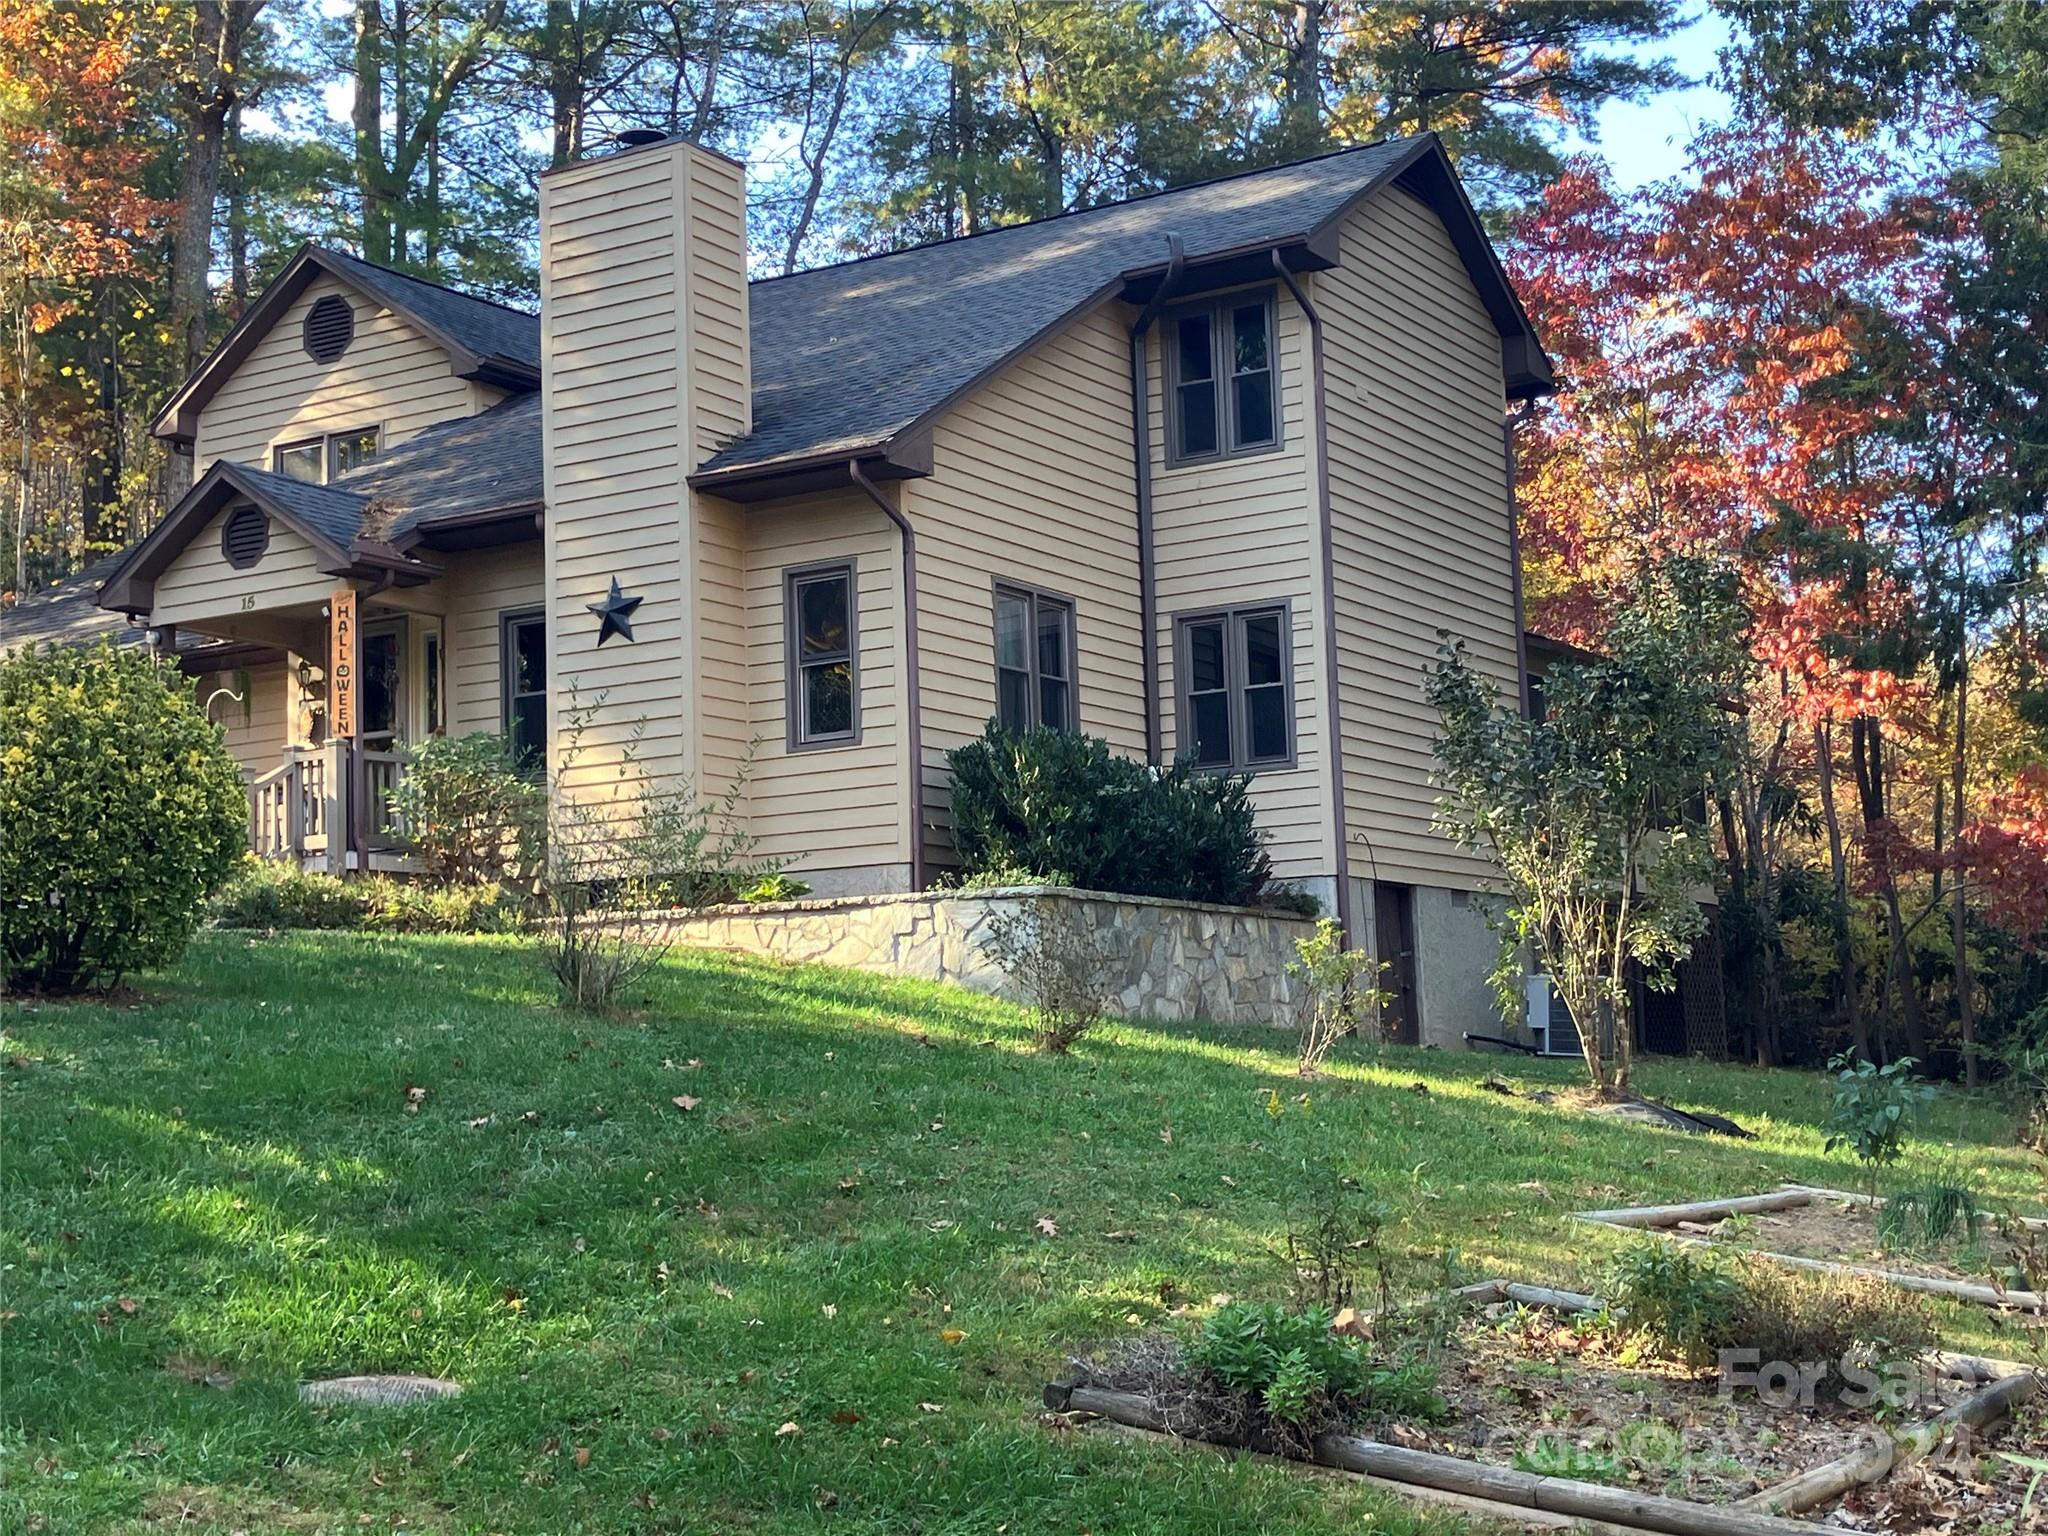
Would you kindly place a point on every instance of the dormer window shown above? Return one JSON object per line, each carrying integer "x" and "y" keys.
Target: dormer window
{"x": 1223, "y": 386}
{"x": 330, "y": 327}
{"x": 327, "y": 457}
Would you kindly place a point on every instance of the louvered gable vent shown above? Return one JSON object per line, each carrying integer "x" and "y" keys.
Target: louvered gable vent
{"x": 330, "y": 327}
{"x": 244, "y": 537}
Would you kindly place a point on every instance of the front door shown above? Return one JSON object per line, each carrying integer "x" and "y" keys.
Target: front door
{"x": 1393, "y": 921}
{"x": 383, "y": 685}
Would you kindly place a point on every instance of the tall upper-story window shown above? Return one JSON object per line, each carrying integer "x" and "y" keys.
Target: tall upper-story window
{"x": 824, "y": 699}
{"x": 1225, "y": 387}
{"x": 1034, "y": 659}
{"x": 1236, "y": 706}
{"x": 329, "y": 456}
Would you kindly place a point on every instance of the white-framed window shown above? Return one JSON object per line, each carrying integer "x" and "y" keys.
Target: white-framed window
{"x": 328, "y": 456}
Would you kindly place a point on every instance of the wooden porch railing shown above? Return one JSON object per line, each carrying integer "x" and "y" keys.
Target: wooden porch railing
{"x": 323, "y": 804}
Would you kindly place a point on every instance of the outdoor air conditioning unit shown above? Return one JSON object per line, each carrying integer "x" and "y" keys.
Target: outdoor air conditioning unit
{"x": 1550, "y": 1021}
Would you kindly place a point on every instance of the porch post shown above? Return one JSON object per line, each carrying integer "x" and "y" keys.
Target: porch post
{"x": 335, "y": 811}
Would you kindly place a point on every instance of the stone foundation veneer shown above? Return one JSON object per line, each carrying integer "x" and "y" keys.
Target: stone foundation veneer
{"x": 1185, "y": 960}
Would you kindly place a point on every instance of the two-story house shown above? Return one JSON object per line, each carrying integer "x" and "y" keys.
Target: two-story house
{"x": 1202, "y": 473}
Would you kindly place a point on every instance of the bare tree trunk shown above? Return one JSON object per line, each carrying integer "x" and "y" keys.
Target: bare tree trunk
{"x": 1966, "y": 1013}
{"x": 367, "y": 118}
{"x": 1302, "y": 109}
{"x": 1848, "y": 992}
{"x": 1866, "y": 752}
{"x": 238, "y": 215}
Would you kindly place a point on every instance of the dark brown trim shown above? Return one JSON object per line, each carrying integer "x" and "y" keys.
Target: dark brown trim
{"x": 131, "y": 589}
{"x": 847, "y": 568}
{"x": 1508, "y": 423}
{"x": 1141, "y": 453}
{"x": 1231, "y": 616}
{"x": 1333, "y": 693}
{"x": 508, "y": 620}
{"x": 906, "y": 456}
{"x": 999, "y": 588}
{"x": 1218, "y": 306}
{"x": 913, "y": 727}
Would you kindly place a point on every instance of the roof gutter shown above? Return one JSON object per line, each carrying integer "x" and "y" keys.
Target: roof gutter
{"x": 913, "y": 733}
{"x": 1141, "y": 458}
{"x": 1333, "y": 733}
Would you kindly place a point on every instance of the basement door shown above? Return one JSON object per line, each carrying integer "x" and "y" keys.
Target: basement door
{"x": 1393, "y": 921}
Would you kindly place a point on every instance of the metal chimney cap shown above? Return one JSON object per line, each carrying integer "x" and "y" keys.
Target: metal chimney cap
{"x": 636, "y": 138}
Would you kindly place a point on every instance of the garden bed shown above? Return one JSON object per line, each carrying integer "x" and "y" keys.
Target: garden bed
{"x": 1832, "y": 1230}
{"x": 1548, "y": 1412}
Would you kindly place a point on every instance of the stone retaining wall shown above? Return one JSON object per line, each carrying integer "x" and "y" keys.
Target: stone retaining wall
{"x": 1183, "y": 960}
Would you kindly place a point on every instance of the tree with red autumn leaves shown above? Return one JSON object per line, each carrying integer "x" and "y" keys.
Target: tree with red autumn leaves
{"x": 1757, "y": 367}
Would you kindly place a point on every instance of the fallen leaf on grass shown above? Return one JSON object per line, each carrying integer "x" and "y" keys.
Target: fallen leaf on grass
{"x": 952, "y": 1335}
{"x": 845, "y": 1416}
{"x": 830, "y": 1309}
{"x": 685, "y": 1102}
{"x": 721, "y": 1290}
{"x": 415, "y": 1096}
{"x": 582, "y": 1457}
{"x": 932, "y": 1407}
{"x": 790, "y": 1428}
{"x": 1048, "y": 1226}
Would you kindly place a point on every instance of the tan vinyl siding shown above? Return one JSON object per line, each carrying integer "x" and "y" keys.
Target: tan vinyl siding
{"x": 200, "y": 585}
{"x": 828, "y": 807}
{"x": 1032, "y": 484}
{"x": 1419, "y": 491}
{"x": 392, "y": 377}
{"x": 482, "y": 587}
{"x": 642, "y": 328}
{"x": 612, "y": 419}
{"x": 1243, "y": 531}
{"x": 256, "y": 732}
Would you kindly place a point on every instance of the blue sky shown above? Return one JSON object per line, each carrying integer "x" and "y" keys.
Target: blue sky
{"x": 1647, "y": 142}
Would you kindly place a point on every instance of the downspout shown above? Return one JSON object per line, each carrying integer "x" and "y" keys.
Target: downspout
{"x": 913, "y": 734}
{"x": 1508, "y": 423}
{"x": 1141, "y": 450}
{"x": 1333, "y": 732}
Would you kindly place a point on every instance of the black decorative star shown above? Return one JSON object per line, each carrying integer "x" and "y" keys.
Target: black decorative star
{"x": 615, "y": 614}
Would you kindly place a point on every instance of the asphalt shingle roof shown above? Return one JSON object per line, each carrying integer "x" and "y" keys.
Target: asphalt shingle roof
{"x": 68, "y": 613}
{"x": 847, "y": 356}
{"x": 327, "y": 509}
{"x": 471, "y": 464}
{"x": 487, "y": 329}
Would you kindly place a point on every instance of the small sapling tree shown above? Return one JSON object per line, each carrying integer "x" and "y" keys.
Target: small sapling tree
{"x": 1583, "y": 811}
{"x": 1873, "y": 1109}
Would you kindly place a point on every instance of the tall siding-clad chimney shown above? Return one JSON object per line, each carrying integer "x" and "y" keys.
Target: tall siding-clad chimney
{"x": 644, "y": 374}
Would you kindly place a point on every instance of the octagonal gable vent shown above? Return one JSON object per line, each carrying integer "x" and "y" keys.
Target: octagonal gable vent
{"x": 244, "y": 537}
{"x": 330, "y": 327}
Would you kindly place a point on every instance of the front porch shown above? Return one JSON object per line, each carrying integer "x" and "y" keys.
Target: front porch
{"x": 328, "y": 808}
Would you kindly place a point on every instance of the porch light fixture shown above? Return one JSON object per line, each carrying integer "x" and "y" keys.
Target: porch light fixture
{"x": 614, "y": 614}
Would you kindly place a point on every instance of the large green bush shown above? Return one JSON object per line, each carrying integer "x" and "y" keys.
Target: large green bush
{"x": 468, "y": 813}
{"x": 1063, "y": 808}
{"x": 120, "y": 810}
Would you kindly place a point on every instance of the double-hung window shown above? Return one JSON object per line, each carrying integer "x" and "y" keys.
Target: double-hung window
{"x": 824, "y": 705}
{"x": 1236, "y": 695}
{"x": 1034, "y": 659}
{"x": 523, "y": 664}
{"x": 1225, "y": 397}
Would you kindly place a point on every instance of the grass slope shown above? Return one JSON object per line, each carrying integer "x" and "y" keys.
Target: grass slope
{"x": 847, "y": 1233}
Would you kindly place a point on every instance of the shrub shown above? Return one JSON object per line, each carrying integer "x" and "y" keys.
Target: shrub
{"x": 1683, "y": 1299}
{"x": 265, "y": 893}
{"x": 120, "y": 811}
{"x": 1062, "y": 967}
{"x": 1873, "y": 1109}
{"x": 1298, "y": 1376}
{"x": 622, "y": 857}
{"x": 467, "y": 812}
{"x": 1339, "y": 994}
{"x": 1693, "y": 1305}
{"x": 777, "y": 887}
{"x": 1061, "y": 808}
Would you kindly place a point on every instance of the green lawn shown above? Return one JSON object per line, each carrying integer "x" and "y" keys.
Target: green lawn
{"x": 848, "y": 1233}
